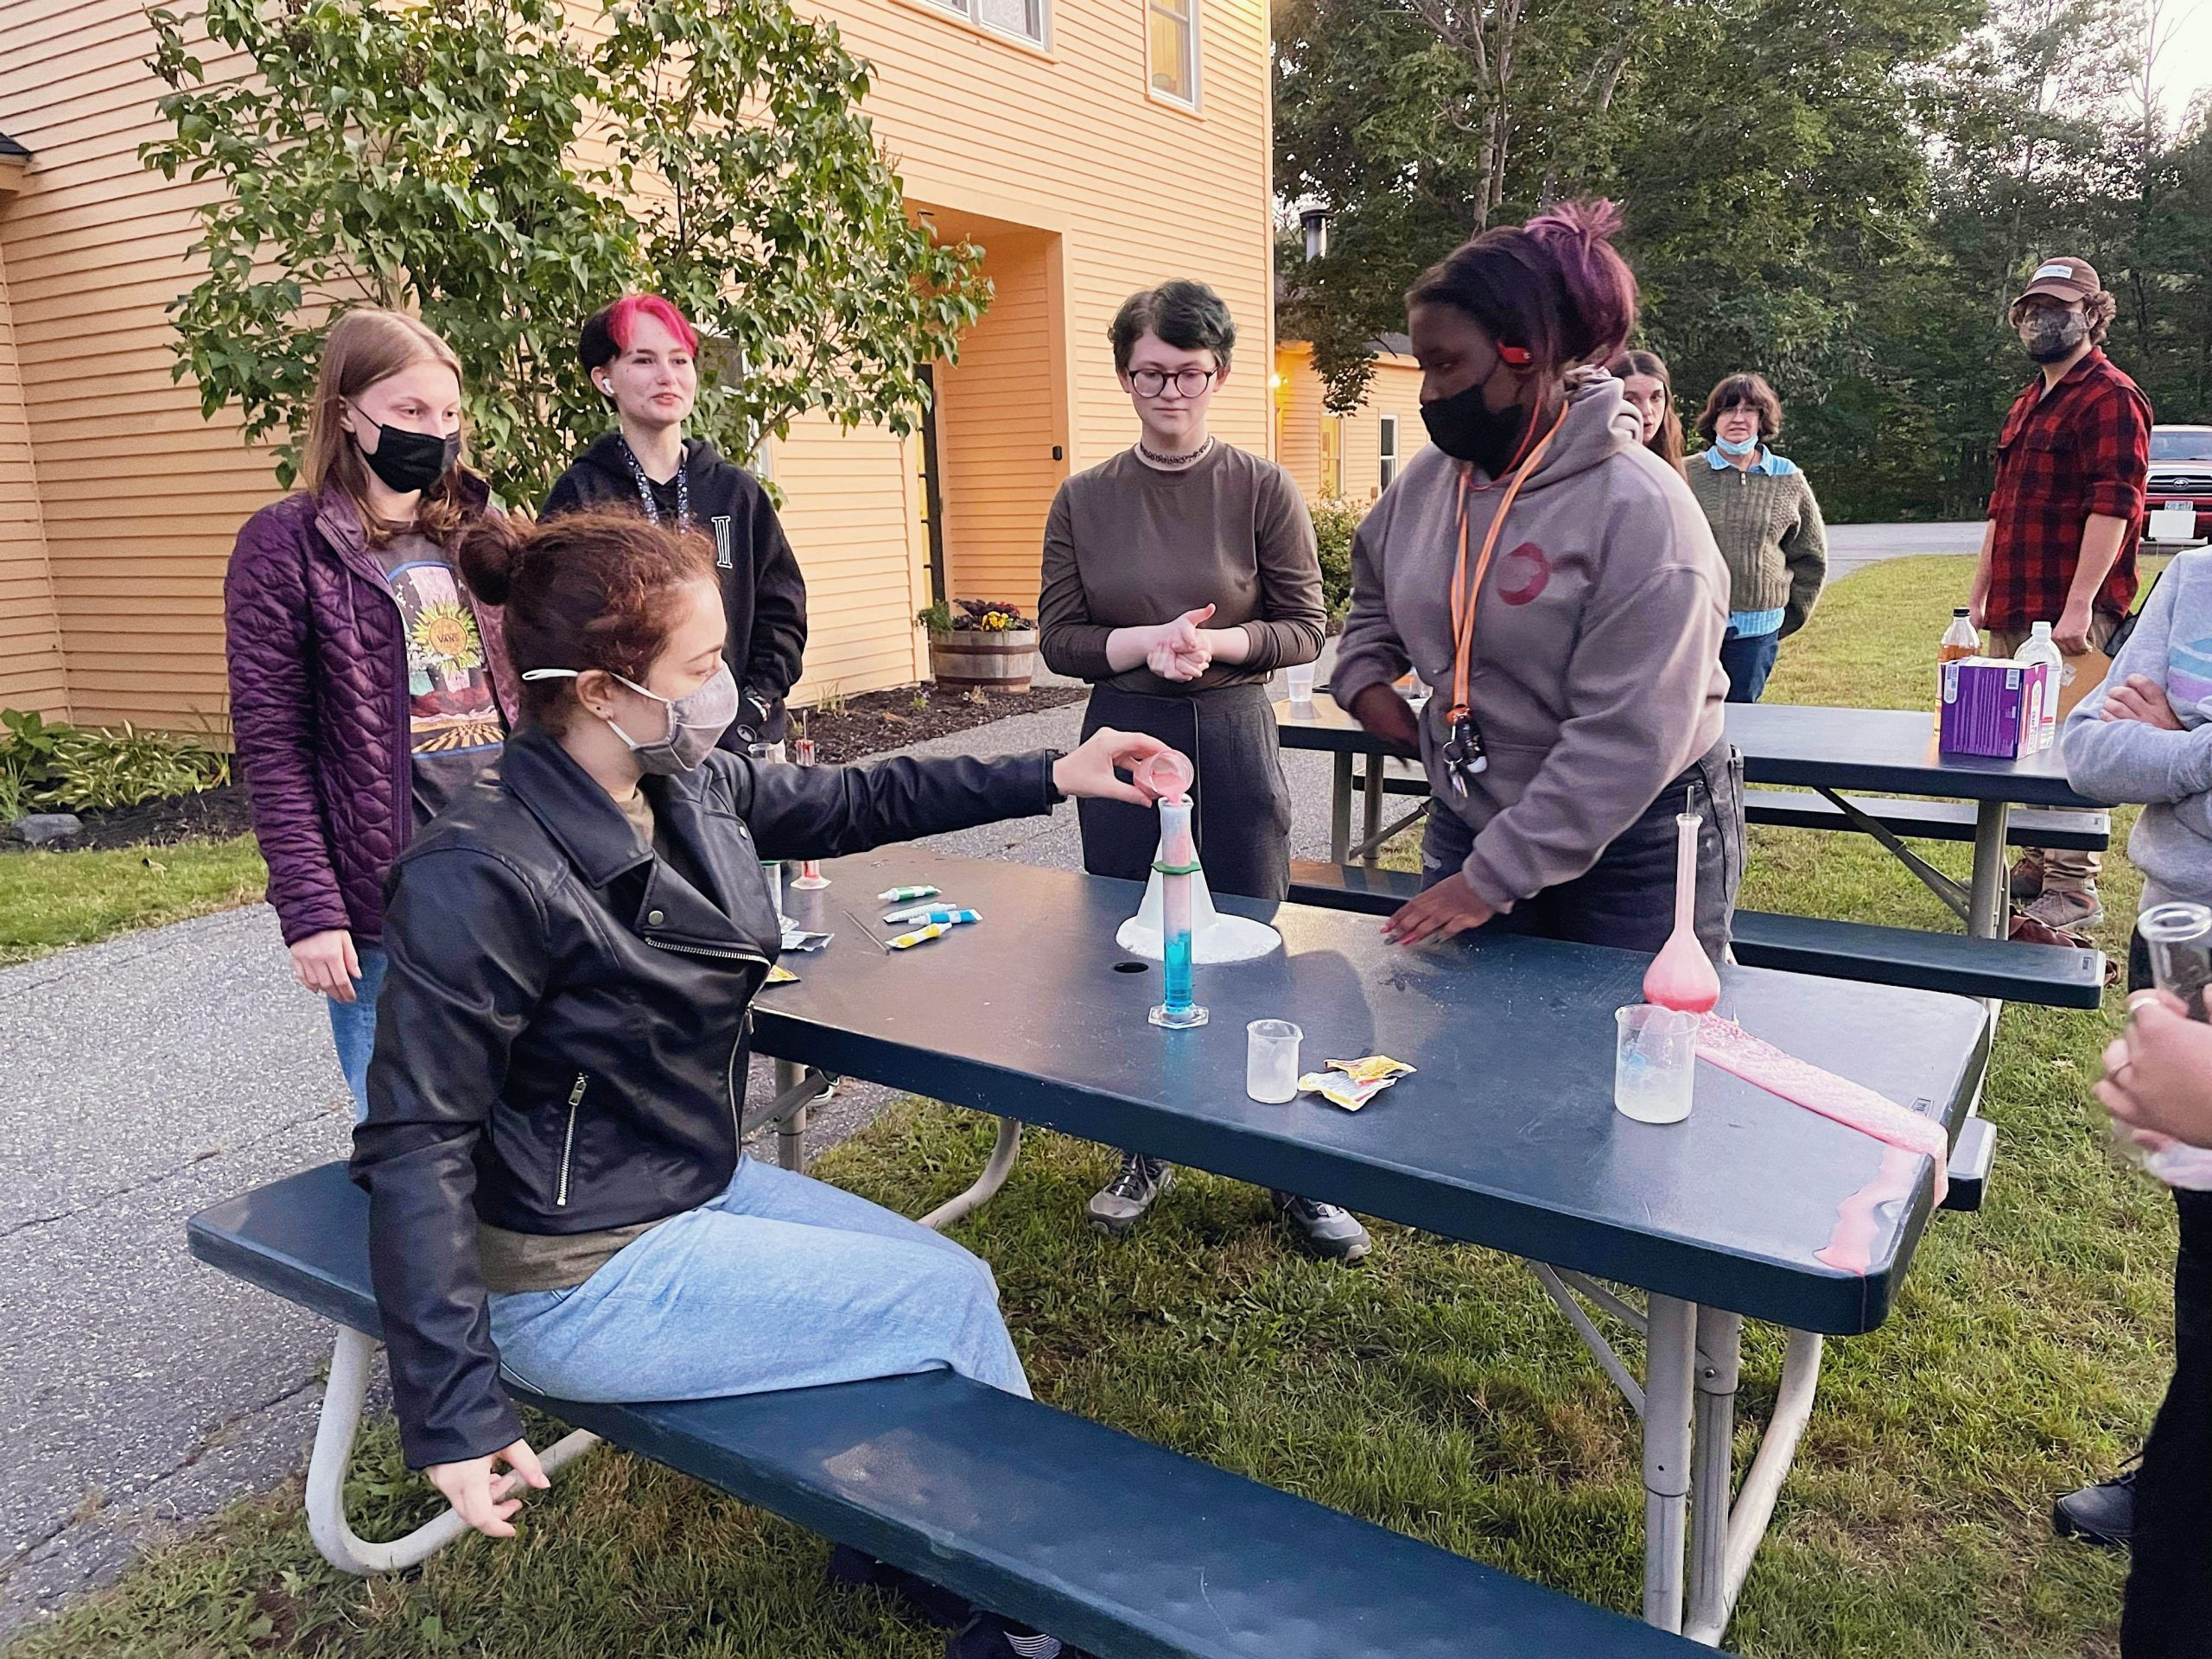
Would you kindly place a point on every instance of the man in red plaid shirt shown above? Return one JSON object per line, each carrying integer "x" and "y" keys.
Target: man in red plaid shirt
{"x": 2064, "y": 519}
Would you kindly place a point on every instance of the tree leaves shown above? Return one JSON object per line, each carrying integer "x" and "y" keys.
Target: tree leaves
{"x": 504, "y": 175}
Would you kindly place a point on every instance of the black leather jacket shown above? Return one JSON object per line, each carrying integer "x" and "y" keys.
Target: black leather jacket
{"x": 560, "y": 1040}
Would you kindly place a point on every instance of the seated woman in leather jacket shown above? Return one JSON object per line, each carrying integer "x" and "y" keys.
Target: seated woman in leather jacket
{"x": 552, "y": 1151}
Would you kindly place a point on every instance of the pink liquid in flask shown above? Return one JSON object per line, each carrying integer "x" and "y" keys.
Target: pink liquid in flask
{"x": 1681, "y": 975}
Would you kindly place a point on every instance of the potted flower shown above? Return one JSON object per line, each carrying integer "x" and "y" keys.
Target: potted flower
{"x": 978, "y": 644}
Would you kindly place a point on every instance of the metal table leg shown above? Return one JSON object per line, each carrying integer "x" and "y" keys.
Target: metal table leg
{"x": 791, "y": 1129}
{"x": 996, "y": 1168}
{"x": 1719, "y": 1365}
{"x": 1986, "y": 903}
{"x": 1668, "y": 1375}
{"x": 1340, "y": 809}
{"x": 1372, "y": 831}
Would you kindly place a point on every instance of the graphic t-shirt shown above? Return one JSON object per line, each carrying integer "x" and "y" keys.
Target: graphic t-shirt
{"x": 455, "y": 728}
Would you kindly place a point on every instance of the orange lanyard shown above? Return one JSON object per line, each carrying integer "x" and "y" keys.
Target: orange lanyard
{"x": 1466, "y": 592}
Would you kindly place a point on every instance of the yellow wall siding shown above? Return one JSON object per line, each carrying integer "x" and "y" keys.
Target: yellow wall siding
{"x": 997, "y": 427}
{"x": 1297, "y": 395}
{"x": 1396, "y": 390}
{"x": 139, "y": 496}
{"x": 31, "y": 674}
{"x": 1091, "y": 188}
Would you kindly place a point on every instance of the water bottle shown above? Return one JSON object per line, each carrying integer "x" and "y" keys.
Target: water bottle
{"x": 2042, "y": 648}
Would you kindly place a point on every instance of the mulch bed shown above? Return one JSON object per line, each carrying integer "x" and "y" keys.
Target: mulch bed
{"x": 878, "y": 721}
{"x": 213, "y": 815}
{"x": 866, "y": 725}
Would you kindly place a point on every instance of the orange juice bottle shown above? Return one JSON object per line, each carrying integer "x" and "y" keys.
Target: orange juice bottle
{"x": 1960, "y": 639}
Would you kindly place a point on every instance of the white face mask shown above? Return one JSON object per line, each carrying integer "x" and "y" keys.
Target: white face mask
{"x": 696, "y": 721}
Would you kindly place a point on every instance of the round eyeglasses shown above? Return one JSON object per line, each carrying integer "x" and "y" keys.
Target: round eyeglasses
{"x": 1192, "y": 383}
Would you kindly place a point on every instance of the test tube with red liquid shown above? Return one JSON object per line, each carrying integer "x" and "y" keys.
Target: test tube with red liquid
{"x": 811, "y": 879}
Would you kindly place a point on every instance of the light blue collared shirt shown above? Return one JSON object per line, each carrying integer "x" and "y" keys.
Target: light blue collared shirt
{"x": 1754, "y": 624}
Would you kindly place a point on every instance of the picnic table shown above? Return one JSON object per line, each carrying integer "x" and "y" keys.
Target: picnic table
{"x": 1830, "y": 750}
{"x": 1506, "y": 1136}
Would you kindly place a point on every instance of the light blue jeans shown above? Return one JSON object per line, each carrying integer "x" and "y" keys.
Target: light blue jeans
{"x": 781, "y": 1282}
{"x": 353, "y": 1026}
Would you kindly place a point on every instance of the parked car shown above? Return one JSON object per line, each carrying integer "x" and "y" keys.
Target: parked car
{"x": 2181, "y": 477}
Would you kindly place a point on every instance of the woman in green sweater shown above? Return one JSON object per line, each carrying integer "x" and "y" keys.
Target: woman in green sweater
{"x": 1768, "y": 524}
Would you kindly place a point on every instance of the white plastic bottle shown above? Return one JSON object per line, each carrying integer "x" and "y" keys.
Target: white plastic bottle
{"x": 2042, "y": 648}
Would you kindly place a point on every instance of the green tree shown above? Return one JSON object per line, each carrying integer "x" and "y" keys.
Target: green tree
{"x": 503, "y": 170}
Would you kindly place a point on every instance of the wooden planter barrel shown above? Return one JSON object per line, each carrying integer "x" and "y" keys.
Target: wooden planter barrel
{"x": 975, "y": 660}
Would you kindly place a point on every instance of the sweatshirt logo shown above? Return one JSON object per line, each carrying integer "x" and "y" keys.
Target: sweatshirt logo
{"x": 721, "y": 543}
{"x": 1523, "y": 573}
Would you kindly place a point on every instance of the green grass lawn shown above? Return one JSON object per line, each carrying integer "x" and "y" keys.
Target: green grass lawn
{"x": 1432, "y": 1389}
{"x": 51, "y": 899}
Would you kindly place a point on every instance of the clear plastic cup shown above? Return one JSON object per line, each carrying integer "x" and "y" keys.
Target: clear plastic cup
{"x": 1655, "y": 1063}
{"x": 2178, "y": 937}
{"x": 1271, "y": 1060}
{"x": 1167, "y": 774}
{"x": 1301, "y": 683}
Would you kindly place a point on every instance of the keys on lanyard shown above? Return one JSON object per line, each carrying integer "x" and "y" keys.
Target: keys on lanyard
{"x": 1463, "y": 755}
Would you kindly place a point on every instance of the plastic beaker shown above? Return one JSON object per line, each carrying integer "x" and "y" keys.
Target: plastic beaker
{"x": 1271, "y": 1060}
{"x": 1301, "y": 684}
{"x": 1655, "y": 1063}
{"x": 1167, "y": 774}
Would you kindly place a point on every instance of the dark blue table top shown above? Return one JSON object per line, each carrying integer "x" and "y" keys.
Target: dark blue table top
{"x": 1506, "y": 1137}
{"x": 1886, "y": 750}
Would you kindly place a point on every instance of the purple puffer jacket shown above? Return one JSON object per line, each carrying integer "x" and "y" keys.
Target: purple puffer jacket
{"x": 319, "y": 707}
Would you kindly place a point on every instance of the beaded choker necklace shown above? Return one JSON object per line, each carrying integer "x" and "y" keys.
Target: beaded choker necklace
{"x": 1157, "y": 460}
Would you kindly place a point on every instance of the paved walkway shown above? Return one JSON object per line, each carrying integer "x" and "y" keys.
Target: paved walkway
{"x": 142, "y": 1079}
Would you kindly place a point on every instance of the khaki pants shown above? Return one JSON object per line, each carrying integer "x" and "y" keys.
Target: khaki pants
{"x": 2063, "y": 871}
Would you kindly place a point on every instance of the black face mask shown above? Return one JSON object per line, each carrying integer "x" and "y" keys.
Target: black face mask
{"x": 1467, "y": 428}
{"x": 408, "y": 461}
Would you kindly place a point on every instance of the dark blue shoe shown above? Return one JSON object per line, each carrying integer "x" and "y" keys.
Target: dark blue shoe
{"x": 2103, "y": 1514}
{"x": 989, "y": 1636}
{"x": 931, "y": 1602}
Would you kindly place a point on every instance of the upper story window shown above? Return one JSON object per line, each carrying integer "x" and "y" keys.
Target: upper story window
{"x": 1172, "y": 31}
{"x": 1388, "y": 444}
{"x": 1023, "y": 19}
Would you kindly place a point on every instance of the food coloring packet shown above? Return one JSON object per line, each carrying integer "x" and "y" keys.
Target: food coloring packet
{"x": 1374, "y": 1066}
{"x": 797, "y": 938}
{"x": 779, "y": 975}
{"x": 905, "y": 895}
{"x": 921, "y": 936}
{"x": 1351, "y": 1093}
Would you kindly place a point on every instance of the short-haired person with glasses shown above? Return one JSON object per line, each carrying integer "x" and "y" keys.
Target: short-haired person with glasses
{"x": 1179, "y": 575}
{"x": 1768, "y": 523}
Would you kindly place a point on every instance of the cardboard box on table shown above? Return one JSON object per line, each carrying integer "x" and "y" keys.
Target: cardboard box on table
{"x": 1994, "y": 706}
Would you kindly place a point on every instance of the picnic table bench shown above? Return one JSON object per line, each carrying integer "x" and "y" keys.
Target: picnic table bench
{"x": 1113, "y": 1544}
{"x": 1506, "y": 1137}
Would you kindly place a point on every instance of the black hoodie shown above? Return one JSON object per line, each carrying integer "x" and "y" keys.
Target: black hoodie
{"x": 762, "y": 589}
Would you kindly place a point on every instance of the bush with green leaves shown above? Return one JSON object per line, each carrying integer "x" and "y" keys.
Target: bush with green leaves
{"x": 73, "y": 768}
{"x": 505, "y": 167}
{"x": 1335, "y": 522}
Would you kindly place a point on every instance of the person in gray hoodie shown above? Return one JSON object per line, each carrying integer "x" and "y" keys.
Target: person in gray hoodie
{"x": 1556, "y": 586}
{"x": 2146, "y": 736}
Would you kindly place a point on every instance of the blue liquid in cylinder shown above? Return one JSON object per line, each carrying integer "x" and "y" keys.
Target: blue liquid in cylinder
{"x": 1177, "y": 953}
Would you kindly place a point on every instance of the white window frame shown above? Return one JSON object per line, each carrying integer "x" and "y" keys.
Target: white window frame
{"x": 1195, "y": 60}
{"x": 969, "y": 12}
{"x": 1386, "y": 444}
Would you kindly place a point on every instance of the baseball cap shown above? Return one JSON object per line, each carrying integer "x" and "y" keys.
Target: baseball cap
{"x": 2063, "y": 279}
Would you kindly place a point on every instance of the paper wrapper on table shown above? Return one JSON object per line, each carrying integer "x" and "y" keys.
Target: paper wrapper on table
{"x": 1992, "y": 706}
{"x": 1214, "y": 938}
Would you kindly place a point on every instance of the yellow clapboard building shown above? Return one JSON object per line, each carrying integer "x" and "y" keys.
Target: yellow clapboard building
{"x": 1090, "y": 147}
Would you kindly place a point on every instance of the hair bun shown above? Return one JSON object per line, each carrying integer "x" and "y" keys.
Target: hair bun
{"x": 1577, "y": 237}
{"x": 491, "y": 551}
{"x": 1589, "y": 223}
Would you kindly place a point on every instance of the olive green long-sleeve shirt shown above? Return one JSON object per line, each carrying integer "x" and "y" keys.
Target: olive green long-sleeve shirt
{"x": 1129, "y": 545}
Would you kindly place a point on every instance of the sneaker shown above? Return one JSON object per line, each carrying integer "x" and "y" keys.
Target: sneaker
{"x": 930, "y": 1603}
{"x": 2103, "y": 1514}
{"x": 2067, "y": 910}
{"x": 2027, "y": 880}
{"x": 989, "y": 1636}
{"x": 1330, "y": 1233}
{"x": 1121, "y": 1204}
